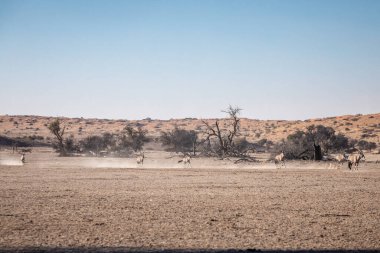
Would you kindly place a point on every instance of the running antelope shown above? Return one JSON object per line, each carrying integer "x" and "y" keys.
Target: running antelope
{"x": 140, "y": 159}
{"x": 354, "y": 159}
{"x": 279, "y": 160}
{"x": 186, "y": 160}
{"x": 22, "y": 158}
{"x": 341, "y": 158}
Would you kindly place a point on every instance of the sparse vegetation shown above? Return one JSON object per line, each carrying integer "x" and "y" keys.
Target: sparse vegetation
{"x": 133, "y": 138}
{"x": 97, "y": 143}
{"x": 180, "y": 140}
{"x": 313, "y": 143}
{"x": 250, "y": 131}
{"x": 58, "y": 131}
{"x": 366, "y": 145}
{"x": 7, "y": 141}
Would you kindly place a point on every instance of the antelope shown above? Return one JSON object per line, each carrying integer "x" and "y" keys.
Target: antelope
{"x": 341, "y": 159}
{"x": 140, "y": 159}
{"x": 186, "y": 160}
{"x": 22, "y": 158}
{"x": 354, "y": 159}
{"x": 280, "y": 159}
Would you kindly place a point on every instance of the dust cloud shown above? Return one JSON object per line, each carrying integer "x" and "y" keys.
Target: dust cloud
{"x": 10, "y": 161}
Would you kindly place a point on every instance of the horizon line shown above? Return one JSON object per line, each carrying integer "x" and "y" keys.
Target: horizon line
{"x": 185, "y": 118}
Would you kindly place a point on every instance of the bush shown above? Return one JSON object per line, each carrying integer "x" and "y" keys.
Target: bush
{"x": 179, "y": 140}
{"x": 134, "y": 138}
{"x": 315, "y": 141}
{"x": 70, "y": 145}
{"x": 97, "y": 143}
{"x": 7, "y": 141}
{"x": 366, "y": 145}
{"x": 242, "y": 145}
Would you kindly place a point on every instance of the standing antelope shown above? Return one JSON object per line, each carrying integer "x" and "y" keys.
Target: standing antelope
{"x": 186, "y": 160}
{"x": 279, "y": 160}
{"x": 354, "y": 159}
{"x": 140, "y": 159}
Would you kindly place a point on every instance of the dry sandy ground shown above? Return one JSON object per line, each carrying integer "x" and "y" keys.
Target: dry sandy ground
{"x": 81, "y": 203}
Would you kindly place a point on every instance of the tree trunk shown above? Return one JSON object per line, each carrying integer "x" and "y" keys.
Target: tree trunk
{"x": 317, "y": 152}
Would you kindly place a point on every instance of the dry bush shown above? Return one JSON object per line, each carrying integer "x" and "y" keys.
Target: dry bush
{"x": 97, "y": 143}
{"x": 180, "y": 140}
{"x": 313, "y": 143}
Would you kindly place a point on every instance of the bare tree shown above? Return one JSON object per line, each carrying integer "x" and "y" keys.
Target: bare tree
{"x": 224, "y": 135}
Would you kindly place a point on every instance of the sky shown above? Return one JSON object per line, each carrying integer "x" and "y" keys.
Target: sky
{"x": 175, "y": 59}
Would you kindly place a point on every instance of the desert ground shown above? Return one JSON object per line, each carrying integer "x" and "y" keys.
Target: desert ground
{"x": 76, "y": 203}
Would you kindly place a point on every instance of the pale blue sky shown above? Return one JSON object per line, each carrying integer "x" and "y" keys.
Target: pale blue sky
{"x": 175, "y": 59}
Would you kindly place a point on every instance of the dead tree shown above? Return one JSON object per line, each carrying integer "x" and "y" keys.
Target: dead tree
{"x": 225, "y": 137}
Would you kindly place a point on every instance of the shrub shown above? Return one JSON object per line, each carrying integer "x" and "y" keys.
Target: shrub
{"x": 362, "y": 144}
{"x": 7, "y": 141}
{"x": 179, "y": 140}
{"x": 134, "y": 138}
{"x": 95, "y": 143}
{"x": 312, "y": 144}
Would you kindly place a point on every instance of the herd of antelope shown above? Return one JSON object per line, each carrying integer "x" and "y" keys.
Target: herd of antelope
{"x": 186, "y": 160}
{"x": 352, "y": 160}
{"x": 279, "y": 160}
